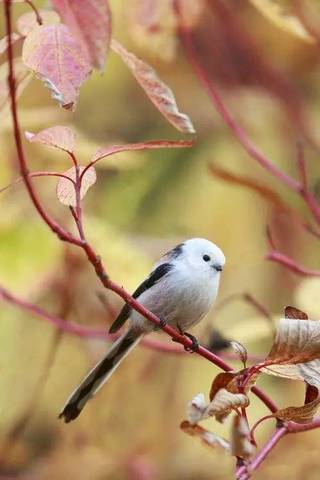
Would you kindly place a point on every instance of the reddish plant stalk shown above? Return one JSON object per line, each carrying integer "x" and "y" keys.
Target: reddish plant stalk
{"x": 55, "y": 227}
{"x": 245, "y": 471}
{"x": 36, "y": 12}
{"x": 291, "y": 264}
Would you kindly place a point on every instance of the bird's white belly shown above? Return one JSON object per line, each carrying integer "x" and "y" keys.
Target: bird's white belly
{"x": 177, "y": 300}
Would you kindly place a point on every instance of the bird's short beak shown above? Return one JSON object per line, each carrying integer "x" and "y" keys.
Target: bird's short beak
{"x": 218, "y": 268}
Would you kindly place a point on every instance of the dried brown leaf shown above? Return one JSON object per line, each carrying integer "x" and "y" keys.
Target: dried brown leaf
{"x": 66, "y": 190}
{"x": 224, "y": 402}
{"x": 306, "y": 412}
{"x": 208, "y": 438}
{"x": 157, "y": 91}
{"x": 196, "y": 409}
{"x": 241, "y": 445}
{"x": 223, "y": 380}
{"x": 292, "y": 312}
{"x": 296, "y": 341}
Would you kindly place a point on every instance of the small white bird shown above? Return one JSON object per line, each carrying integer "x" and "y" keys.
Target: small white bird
{"x": 180, "y": 291}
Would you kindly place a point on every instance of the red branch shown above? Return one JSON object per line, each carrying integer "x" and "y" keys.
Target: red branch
{"x": 35, "y": 175}
{"x": 245, "y": 471}
{"x": 55, "y": 227}
{"x": 81, "y": 330}
{"x": 291, "y": 264}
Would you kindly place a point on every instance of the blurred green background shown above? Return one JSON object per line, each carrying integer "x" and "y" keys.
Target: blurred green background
{"x": 142, "y": 204}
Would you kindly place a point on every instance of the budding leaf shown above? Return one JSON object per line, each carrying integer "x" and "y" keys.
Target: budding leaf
{"x": 240, "y": 350}
{"x": 90, "y": 23}
{"x": 157, "y": 91}
{"x": 57, "y": 58}
{"x": 58, "y": 137}
{"x": 65, "y": 189}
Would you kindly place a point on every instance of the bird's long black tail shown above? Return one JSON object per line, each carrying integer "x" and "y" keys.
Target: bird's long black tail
{"x": 99, "y": 375}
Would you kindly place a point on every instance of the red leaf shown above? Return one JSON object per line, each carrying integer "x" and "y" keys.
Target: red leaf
{"x": 90, "y": 23}
{"x": 28, "y": 21}
{"x": 66, "y": 191}
{"x": 55, "y": 56}
{"x": 58, "y": 137}
{"x": 110, "y": 150}
{"x": 158, "y": 92}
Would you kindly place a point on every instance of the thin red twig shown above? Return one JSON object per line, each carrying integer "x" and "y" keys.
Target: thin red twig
{"x": 55, "y": 227}
{"x": 36, "y": 12}
{"x": 291, "y": 264}
{"x": 35, "y": 175}
{"x": 245, "y": 471}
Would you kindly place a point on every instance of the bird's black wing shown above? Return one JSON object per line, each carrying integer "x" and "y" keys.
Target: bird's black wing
{"x": 153, "y": 278}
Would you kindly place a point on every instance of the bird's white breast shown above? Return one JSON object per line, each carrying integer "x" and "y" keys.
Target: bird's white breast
{"x": 181, "y": 298}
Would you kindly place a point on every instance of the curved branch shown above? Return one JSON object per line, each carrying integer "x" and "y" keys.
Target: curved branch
{"x": 52, "y": 224}
{"x": 290, "y": 264}
{"x": 37, "y": 174}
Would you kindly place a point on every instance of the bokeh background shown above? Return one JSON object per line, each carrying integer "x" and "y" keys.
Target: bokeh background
{"x": 142, "y": 204}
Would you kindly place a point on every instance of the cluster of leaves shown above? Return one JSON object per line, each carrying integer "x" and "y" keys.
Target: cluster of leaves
{"x": 62, "y": 47}
{"x": 295, "y": 354}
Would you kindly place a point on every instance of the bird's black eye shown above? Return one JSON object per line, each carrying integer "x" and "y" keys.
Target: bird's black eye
{"x": 206, "y": 258}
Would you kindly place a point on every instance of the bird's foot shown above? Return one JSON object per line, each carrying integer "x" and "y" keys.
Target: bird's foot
{"x": 195, "y": 342}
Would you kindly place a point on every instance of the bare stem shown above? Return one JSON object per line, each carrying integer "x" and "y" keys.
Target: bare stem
{"x": 245, "y": 471}
{"x": 291, "y": 264}
{"x": 34, "y": 8}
